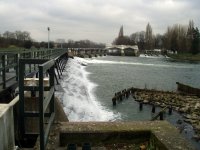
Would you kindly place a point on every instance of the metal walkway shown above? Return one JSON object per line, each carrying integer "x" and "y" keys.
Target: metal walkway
{"x": 9, "y": 66}
{"x": 15, "y": 68}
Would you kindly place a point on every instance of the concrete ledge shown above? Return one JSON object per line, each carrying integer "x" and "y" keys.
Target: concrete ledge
{"x": 159, "y": 134}
{"x": 6, "y": 127}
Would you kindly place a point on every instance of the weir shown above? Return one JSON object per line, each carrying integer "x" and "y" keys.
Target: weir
{"x": 32, "y": 118}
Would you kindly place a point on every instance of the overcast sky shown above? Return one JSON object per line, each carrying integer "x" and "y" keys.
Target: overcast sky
{"x": 96, "y": 20}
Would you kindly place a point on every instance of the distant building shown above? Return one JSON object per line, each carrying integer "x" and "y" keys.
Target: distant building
{"x": 123, "y": 50}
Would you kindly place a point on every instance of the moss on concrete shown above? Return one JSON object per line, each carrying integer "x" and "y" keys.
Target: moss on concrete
{"x": 162, "y": 134}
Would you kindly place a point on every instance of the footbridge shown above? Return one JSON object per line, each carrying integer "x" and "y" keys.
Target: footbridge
{"x": 87, "y": 52}
{"x": 32, "y": 72}
{"x": 9, "y": 67}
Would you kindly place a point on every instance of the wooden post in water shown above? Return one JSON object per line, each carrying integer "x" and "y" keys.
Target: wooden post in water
{"x": 120, "y": 96}
{"x": 153, "y": 109}
{"x": 114, "y": 101}
{"x": 141, "y": 106}
{"x": 170, "y": 110}
{"x": 161, "y": 115}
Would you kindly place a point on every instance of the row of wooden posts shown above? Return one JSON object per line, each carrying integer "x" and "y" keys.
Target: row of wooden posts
{"x": 124, "y": 94}
{"x": 120, "y": 96}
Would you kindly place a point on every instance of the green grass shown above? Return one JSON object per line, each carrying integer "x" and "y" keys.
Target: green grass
{"x": 11, "y": 49}
{"x": 185, "y": 56}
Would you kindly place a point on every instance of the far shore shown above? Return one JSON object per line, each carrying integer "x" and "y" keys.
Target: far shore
{"x": 185, "y": 57}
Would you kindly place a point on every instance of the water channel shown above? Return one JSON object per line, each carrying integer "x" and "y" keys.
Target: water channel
{"x": 90, "y": 84}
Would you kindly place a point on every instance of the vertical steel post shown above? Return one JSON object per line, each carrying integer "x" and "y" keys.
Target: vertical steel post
{"x": 4, "y": 71}
{"x": 41, "y": 111}
{"x": 17, "y": 66}
{"x": 21, "y": 96}
{"x": 48, "y": 36}
{"x": 51, "y": 84}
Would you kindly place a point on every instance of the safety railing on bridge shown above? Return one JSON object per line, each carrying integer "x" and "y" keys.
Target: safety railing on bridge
{"x": 9, "y": 63}
{"x": 8, "y": 68}
{"x": 44, "y": 109}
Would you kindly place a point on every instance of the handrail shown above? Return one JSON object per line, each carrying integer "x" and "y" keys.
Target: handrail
{"x": 45, "y": 66}
{"x": 9, "y": 60}
{"x": 14, "y": 101}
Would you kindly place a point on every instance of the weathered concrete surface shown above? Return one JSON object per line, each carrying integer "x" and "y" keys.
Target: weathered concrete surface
{"x": 6, "y": 127}
{"x": 160, "y": 134}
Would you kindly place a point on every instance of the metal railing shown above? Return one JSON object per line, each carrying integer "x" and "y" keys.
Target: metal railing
{"x": 45, "y": 101}
{"x": 9, "y": 63}
{"x": 41, "y": 94}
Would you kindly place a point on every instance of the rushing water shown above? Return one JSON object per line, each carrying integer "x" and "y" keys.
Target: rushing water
{"x": 90, "y": 84}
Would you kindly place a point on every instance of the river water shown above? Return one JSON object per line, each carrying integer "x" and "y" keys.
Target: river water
{"x": 90, "y": 84}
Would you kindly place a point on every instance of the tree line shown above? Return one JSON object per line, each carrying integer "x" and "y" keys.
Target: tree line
{"x": 180, "y": 38}
{"x": 84, "y": 44}
{"x": 23, "y": 39}
{"x": 17, "y": 38}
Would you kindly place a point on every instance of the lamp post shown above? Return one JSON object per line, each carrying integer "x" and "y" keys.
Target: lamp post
{"x": 48, "y": 35}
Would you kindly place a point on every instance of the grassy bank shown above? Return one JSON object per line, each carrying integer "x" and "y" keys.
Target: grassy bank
{"x": 185, "y": 56}
{"x": 11, "y": 49}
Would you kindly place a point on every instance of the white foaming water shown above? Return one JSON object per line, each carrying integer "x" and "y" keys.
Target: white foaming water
{"x": 96, "y": 61}
{"x": 147, "y": 56}
{"x": 79, "y": 101}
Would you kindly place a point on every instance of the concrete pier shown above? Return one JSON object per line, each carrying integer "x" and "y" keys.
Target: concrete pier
{"x": 7, "y": 138}
{"x": 124, "y": 135}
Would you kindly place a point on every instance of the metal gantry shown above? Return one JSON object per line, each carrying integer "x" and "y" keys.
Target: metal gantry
{"x": 44, "y": 101}
{"x": 9, "y": 63}
{"x": 15, "y": 68}
{"x": 44, "y": 98}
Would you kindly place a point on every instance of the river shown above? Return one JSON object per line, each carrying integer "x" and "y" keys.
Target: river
{"x": 90, "y": 84}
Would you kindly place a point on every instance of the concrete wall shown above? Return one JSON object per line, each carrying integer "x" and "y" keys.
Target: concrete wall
{"x": 6, "y": 127}
{"x": 160, "y": 135}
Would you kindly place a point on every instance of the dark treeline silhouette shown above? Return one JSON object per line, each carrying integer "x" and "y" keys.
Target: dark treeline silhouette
{"x": 23, "y": 39}
{"x": 83, "y": 44}
{"x": 123, "y": 40}
{"x": 17, "y": 38}
{"x": 180, "y": 38}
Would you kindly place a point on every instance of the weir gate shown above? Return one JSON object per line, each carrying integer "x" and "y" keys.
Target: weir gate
{"x": 27, "y": 89}
{"x": 28, "y": 109}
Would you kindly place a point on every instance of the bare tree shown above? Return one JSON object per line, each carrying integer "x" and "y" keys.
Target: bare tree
{"x": 9, "y": 35}
{"x": 19, "y": 35}
{"x": 158, "y": 41}
{"x": 190, "y": 35}
{"x": 139, "y": 39}
{"x": 149, "y": 37}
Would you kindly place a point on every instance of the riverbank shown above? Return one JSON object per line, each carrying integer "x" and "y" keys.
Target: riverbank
{"x": 187, "y": 105}
{"x": 185, "y": 57}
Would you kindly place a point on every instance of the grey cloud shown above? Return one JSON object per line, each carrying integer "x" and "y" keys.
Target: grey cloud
{"x": 97, "y": 20}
